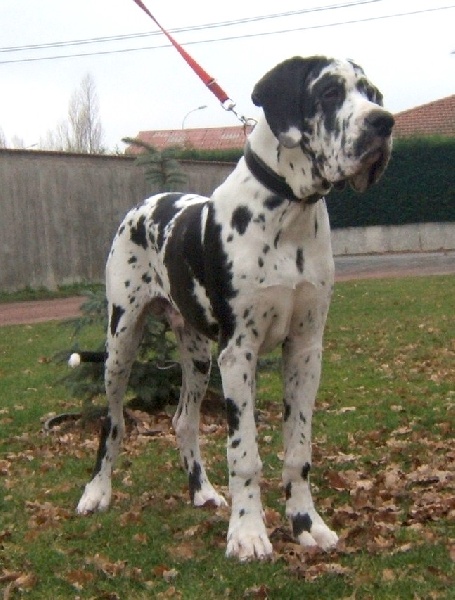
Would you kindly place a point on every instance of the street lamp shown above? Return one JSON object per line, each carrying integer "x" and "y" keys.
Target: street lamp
{"x": 192, "y": 111}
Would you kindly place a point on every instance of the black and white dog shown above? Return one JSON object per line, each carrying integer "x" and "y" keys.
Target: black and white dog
{"x": 250, "y": 267}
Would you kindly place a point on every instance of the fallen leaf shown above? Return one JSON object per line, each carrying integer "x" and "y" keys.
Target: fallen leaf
{"x": 79, "y": 577}
{"x": 260, "y": 592}
{"x": 388, "y": 575}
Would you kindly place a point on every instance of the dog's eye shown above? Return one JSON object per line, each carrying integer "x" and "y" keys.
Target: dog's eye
{"x": 331, "y": 94}
{"x": 370, "y": 93}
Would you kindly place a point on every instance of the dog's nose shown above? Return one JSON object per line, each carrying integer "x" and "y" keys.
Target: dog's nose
{"x": 381, "y": 121}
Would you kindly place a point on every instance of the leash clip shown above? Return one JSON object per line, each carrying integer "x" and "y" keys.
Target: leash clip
{"x": 229, "y": 105}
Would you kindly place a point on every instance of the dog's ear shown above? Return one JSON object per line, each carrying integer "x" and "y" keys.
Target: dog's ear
{"x": 280, "y": 93}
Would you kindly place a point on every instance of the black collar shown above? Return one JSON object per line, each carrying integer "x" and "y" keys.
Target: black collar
{"x": 271, "y": 180}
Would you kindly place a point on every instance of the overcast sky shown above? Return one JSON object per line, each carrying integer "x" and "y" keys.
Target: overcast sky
{"x": 409, "y": 57}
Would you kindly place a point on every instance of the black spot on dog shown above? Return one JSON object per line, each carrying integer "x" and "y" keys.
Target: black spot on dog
{"x": 138, "y": 233}
{"x": 288, "y": 490}
{"x": 287, "y": 411}
{"x": 241, "y": 218}
{"x": 185, "y": 262}
{"x": 277, "y": 239}
{"x": 158, "y": 280}
{"x": 235, "y": 443}
{"x": 306, "y": 471}
{"x": 132, "y": 260}
{"x": 203, "y": 366}
{"x": 106, "y": 425}
{"x": 163, "y": 214}
{"x": 238, "y": 341}
{"x": 233, "y": 416}
{"x": 299, "y": 260}
{"x": 146, "y": 278}
{"x": 301, "y": 523}
{"x": 218, "y": 272}
{"x": 273, "y": 202}
{"x": 117, "y": 312}
{"x": 194, "y": 478}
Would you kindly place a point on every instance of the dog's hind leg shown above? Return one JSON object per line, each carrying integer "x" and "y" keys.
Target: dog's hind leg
{"x": 195, "y": 357}
{"x": 123, "y": 338}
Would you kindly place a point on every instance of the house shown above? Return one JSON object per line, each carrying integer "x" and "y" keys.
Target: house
{"x": 433, "y": 118}
{"x": 210, "y": 138}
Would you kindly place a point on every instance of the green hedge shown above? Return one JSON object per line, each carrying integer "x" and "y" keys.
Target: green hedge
{"x": 417, "y": 187}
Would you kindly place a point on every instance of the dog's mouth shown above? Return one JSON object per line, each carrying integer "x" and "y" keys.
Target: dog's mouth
{"x": 367, "y": 168}
{"x": 371, "y": 166}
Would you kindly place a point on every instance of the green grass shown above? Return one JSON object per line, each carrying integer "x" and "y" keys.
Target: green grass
{"x": 383, "y": 471}
{"x": 65, "y": 291}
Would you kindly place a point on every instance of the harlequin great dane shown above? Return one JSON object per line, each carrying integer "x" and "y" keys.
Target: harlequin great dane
{"x": 250, "y": 267}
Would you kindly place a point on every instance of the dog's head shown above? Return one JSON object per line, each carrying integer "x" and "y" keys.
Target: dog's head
{"x": 331, "y": 111}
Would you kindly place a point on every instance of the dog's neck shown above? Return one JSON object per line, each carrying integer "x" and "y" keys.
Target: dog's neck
{"x": 282, "y": 170}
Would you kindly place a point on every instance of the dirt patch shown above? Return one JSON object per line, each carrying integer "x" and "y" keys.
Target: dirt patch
{"x": 20, "y": 313}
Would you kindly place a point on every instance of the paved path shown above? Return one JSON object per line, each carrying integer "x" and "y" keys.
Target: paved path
{"x": 395, "y": 265}
{"x": 38, "y": 311}
{"x": 347, "y": 267}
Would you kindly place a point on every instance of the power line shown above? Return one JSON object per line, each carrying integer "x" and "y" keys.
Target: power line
{"x": 229, "y": 38}
{"x": 220, "y": 24}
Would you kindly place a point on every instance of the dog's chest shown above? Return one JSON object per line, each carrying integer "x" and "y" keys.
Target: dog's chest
{"x": 225, "y": 259}
{"x": 281, "y": 246}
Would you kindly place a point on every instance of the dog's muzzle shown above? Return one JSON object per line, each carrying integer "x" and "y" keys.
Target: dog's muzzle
{"x": 373, "y": 149}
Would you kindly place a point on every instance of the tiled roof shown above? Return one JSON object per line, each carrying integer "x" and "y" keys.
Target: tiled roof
{"x": 211, "y": 138}
{"x": 434, "y": 118}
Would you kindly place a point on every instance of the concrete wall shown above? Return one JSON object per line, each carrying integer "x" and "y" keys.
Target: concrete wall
{"x": 59, "y": 213}
{"x": 420, "y": 237}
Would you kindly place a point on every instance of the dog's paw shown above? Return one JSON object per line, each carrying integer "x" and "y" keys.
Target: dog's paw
{"x": 207, "y": 496}
{"x": 320, "y": 536}
{"x": 248, "y": 540}
{"x": 96, "y": 497}
{"x": 310, "y": 530}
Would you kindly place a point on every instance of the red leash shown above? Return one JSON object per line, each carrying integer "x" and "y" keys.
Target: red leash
{"x": 209, "y": 81}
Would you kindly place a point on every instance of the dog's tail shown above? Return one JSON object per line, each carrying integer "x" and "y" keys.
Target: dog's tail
{"x": 92, "y": 357}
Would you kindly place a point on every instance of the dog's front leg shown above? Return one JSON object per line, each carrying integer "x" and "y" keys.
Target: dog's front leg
{"x": 302, "y": 368}
{"x": 247, "y": 537}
